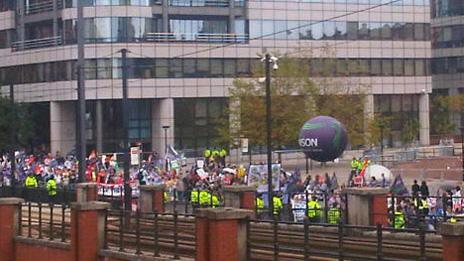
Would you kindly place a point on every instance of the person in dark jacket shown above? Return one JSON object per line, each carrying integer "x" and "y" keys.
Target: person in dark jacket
{"x": 415, "y": 189}
{"x": 424, "y": 189}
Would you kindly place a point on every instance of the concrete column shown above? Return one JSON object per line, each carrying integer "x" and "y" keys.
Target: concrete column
{"x": 453, "y": 241}
{"x": 151, "y": 198}
{"x": 87, "y": 229}
{"x": 240, "y": 197}
{"x": 55, "y": 19}
{"x": 86, "y": 192}
{"x": 165, "y": 16}
{"x": 99, "y": 123}
{"x": 9, "y": 210}
{"x": 162, "y": 115}
{"x": 231, "y": 16}
{"x": 21, "y": 12}
{"x": 367, "y": 206}
{"x": 368, "y": 113}
{"x": 221, "y": 234}
{"x": 424, "y": 114}
{"x": 62, "y": 126}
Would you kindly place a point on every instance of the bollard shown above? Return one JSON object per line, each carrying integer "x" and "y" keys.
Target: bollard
{"x": 453, "y": 241}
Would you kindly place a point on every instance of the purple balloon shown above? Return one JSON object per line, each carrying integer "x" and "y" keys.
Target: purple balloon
{"x": 323, "y": 138}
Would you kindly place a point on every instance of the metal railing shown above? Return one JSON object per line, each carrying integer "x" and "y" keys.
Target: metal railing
{"x": 44, "y": 221}
{"x": 36, "y": 43}
{"x": 150, "y": 234}
{"x": 200, "y": 37}
{"x": 273, "y": 240}
{"x": 35, "y": 8}
{"x": 64, "y": 195}
{"x": 194, "y": 3}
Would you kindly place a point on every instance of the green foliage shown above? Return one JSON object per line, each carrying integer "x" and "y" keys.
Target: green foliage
{"x": 410, "y": 131}
{"x": 377, "y": 126}
{"x": 440, "y": 121}
{"x": 27, "y": 121}
{"x": 295, "y": 98}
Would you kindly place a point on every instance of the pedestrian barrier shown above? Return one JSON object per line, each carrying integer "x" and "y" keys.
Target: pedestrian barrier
{"x": 150, "y": 234}
{"x": 44, "y": 221}
{"x": 274, "y": 240}
{"x": 64, "y": 195}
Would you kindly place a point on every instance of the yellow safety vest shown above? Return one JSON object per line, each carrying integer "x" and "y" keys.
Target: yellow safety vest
{"x": 333, "y": 215}
{"x": 399, "y": 220}
{"x": 314, "y": 209}
{"x": 259, "y": 203}
{"x": 31, "y": 182}
{"x": 277, "y": 205}
{"x": 51, "y": 187}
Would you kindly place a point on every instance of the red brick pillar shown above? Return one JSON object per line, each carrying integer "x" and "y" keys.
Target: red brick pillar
{"x": 86, "y": 192}
{"x": 151, "y": 198}
{"x": 453, "y": 241}
{"x": 9, "y": 209}
{"x": 240, "y": 197}
{"x": 221, "y": 234}
{"x": 87, "y": 229}
{"x": 367, "y": 206}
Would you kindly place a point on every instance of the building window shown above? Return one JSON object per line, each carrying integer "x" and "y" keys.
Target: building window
{"x": 196, "y": 121}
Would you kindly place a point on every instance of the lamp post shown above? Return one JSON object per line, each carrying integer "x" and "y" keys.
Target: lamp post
{"x": 165, "y": 128}
{"x": 462, "y": 151}
{"x": 268, "y": 60}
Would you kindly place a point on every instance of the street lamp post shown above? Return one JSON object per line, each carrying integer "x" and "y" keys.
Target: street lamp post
{"x": 268, "y": 60}
{"x": 165, "y": 128}
{"x": 462, "y": 151}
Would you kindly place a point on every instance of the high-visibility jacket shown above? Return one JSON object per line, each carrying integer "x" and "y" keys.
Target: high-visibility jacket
{"x": 31, "y": 182}
{"x": 51, "y": 187}
{"x": 360, "y": 165}
{"x": 207, "y": 153}
{"x": 205, "y": 198}
{"x": 399, "y": 220}
{"x": 333, "y": 215}
{"x": 314, "y": 209}
{"x": 259, "y": 203}
{"x": 354, "y": 164}
{"x": 165, "y": 196}
{"x": 215, "y": 201}
{"x": 421, "y": 204}
{"x": 277, "y": 203}
{"x": 195, "y": 196}
{"x": 215, "y": 153}
{"x": 222, "y": 153}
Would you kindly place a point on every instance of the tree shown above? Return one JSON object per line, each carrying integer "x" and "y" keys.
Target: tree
{"x": 29, "y": 124}
{"x": 410, "y": 130}
{"x": 295, "y": 98}
{"x": 441, "y": 123}
{"x": 378, "y": 128}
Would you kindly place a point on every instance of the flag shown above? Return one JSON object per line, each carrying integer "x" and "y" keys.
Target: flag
{"x": 93, "y": 155}
{"x": 398, "y": 188}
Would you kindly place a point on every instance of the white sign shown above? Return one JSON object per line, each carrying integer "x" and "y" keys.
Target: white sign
{"x": 257, "y": 176}
{"x": 244, "y": 145}
{"x": 135, "y": 155}
{"x": 299, "y": 207}
{"x": 200, "y": 163}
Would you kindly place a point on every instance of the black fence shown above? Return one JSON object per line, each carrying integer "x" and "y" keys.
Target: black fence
{"x": 64, "y": 195}
{"x": 44, "y": 221}
{"x": 151, "y": 234}
{"x": 274, "y": 240}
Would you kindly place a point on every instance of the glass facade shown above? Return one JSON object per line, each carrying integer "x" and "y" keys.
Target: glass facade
{"x": 73, "y": 3}
{"x": 113, "y": 133}
{"x": 448, "y": 65}
{"x": 195, "y": 121}
{"x": 400, "y": 109}
{"x": 443, "y": 8}
{"x": 448, "y": 36}
{"x": 339, "y": 30}
{"x": 7, "y": 5}
{"x": 139, "y": 68}
{"x": 190, "y": 29}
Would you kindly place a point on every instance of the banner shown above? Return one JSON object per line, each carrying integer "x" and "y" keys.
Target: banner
{"x": 257, "y": 176}
{"x": 135, "y": 155}
{"x": 298, "y": 207}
